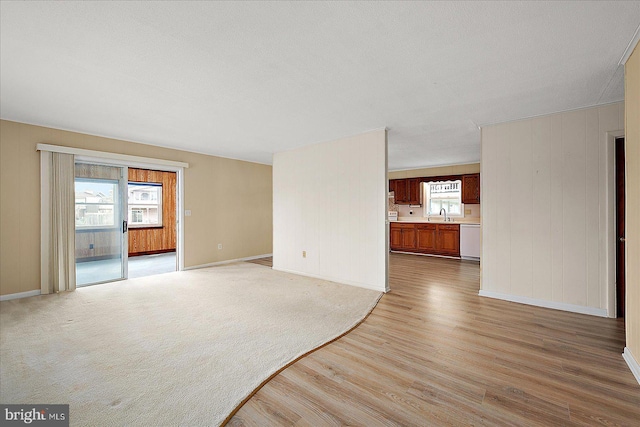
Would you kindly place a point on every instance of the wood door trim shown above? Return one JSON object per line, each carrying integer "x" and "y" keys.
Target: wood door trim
{"x": 620, "y": 215}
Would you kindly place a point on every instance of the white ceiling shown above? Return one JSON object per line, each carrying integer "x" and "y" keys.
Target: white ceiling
{"x": 246, "y": 80}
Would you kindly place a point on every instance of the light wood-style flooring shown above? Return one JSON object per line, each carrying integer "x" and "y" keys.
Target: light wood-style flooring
{"x": 267, "y": 262}
{"x": 435, "y": 353}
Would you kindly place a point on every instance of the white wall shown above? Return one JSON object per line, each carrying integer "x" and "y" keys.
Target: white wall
{"x": 546, "y": 210}
{"x": 330, "y": 200}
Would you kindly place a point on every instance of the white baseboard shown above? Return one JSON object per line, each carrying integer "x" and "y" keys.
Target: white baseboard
{"x": 229, "y": 261}
{"x": 601, "y": 312}
{"x": 632, "y": 362}
{"x": 331, "y": 279}
{"x": 20, "y": 295}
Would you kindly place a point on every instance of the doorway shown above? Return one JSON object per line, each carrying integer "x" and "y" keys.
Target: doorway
{"x": 125, "y": 223}
{"x": 100, "y": 223}
{"x": 620, "y": 225}
{"x": 152, "y": 198}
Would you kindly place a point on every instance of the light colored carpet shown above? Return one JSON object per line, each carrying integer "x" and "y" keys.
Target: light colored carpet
{"x": 181, "y": 348}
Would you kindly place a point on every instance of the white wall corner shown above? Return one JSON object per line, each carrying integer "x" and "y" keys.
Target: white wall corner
{"x": 600, "y": 312}
{"x": 632, "y": 362}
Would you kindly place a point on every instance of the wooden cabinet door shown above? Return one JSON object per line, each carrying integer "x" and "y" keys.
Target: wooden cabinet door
{"x": 401, "y": 191}
{"x": 392, "y": 185}
{"x": 413, "y": 191}
{"x": 409, "y": 238}
{"x": 471, "y": 189}
{"x": 426, "y": 237}
{"x": 395, "y": 237}
{"x": 448, "y": 239}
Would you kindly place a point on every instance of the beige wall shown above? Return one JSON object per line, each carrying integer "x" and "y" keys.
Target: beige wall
{"x": 632, "y": 151}
{"x": 546, "y": 210}
{"x": 230, "y": 200}
{"x": 437, "y": 171}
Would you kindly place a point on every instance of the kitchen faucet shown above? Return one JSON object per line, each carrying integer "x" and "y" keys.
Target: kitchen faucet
{"x": 445, "y": 214}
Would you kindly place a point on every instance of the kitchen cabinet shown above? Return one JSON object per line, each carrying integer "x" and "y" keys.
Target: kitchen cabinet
{"x": 448, "y": 239}
{"x": 471, "y": 189}
{"x": 395, "y": 237}
{"x": 399, "y": 188}
{"x": 403, "y": 237}
{"x": 426, "y": 238}
{"x": 409, "y": 238}
{"x": 413, "y": 191}
{"x": 407, "y": 190}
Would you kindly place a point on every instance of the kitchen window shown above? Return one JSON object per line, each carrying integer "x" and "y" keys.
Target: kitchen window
{"x": 145, "y": 204}
{"x": 443, "y": 194}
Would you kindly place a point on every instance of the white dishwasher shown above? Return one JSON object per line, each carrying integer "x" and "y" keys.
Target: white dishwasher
{"x": 470, "y": 241}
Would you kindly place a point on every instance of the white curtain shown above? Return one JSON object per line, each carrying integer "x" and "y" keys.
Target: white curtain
{"x": 62, "y": 238}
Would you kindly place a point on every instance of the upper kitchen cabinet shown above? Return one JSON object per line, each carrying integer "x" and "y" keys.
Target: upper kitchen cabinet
{"x": 399, "y": 187}
{"x": 407, "y": 191}
{"x": 413, "y": 191}
{"x": 471, "y": 189}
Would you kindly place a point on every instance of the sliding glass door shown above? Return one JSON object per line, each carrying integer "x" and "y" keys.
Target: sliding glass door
{"x": 101, "y": 223}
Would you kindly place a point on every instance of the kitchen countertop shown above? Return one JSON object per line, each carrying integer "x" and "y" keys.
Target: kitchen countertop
{"x": 472, "y": 221}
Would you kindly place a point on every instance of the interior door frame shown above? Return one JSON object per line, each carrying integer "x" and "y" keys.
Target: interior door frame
{"x": 610, "y": 238}
{"x": 106, "y": 158}
{"x": 620, "y": 214}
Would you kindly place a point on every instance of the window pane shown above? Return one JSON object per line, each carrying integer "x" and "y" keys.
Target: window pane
{"x": 95, "y": 203}
{"x": 444, "y": 194}
{"x": 145, "y": 204}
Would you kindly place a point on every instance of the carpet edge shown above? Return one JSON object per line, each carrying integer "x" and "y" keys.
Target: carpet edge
{"x": 297, "y": 358}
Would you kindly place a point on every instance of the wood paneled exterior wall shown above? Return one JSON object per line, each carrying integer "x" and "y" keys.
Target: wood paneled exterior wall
{"x": 158, "y": 239}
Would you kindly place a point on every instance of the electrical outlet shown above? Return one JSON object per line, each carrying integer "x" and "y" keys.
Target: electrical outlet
{"x": 467, "y": 211}
{"x": 304, "y": 254}
{"x": 187, "y": 212}
{"x": 219, "y": 246}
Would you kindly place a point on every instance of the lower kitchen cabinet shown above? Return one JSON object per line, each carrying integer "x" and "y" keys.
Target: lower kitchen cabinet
{"x": 427, "y": 237}
{"x": 395, "y": 237}
{"x": 435, "y": 239}
{"x": 403, "y": 237}
{"x": 409, "y": 238}
{"x": 448, "y": 242}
